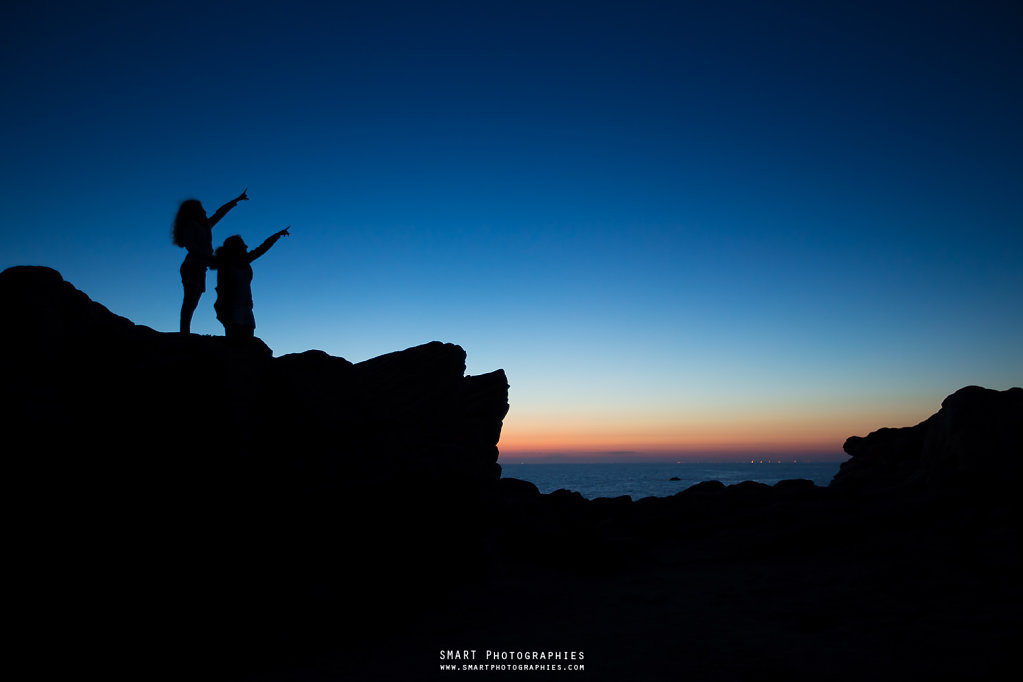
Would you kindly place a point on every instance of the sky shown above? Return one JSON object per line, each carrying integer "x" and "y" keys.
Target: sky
{"x": 682, "y": 229}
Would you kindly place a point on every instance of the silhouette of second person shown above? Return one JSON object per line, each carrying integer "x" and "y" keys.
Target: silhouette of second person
{"x": 232, "y": 261}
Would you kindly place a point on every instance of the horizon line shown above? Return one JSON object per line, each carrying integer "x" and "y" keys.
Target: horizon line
{"x": 628, "y": 456}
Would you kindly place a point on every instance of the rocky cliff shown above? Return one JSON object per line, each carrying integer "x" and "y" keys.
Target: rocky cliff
{"x": 159, "y": 477}
{"x": 974, "y": 441}
{"x": 81, "y": 378}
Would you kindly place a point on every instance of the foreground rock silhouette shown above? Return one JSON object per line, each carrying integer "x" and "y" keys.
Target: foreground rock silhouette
{"x": 204, "y": 510}
{"x": 199, "y": 496}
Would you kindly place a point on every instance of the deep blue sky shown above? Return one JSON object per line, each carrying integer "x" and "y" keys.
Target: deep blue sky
{"x": 677, "y": 226}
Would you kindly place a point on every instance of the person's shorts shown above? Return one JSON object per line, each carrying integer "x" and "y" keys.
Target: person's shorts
{"x": 193, "y": 277}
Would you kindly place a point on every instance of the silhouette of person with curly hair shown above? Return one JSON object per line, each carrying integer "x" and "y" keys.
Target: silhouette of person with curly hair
{"x": 233, "y": 263}
{"x": 193, "y": 230}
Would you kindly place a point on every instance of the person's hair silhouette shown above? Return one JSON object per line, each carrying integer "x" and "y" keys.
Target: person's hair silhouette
{"x": 232, "y": 261}
{"x": 193, "y": 230}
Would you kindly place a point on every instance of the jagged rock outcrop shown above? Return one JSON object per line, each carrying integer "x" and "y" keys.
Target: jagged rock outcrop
{"x": 975, "y": 439}
{"x": 268, "y": 494}
{"x": 77, "y": 375}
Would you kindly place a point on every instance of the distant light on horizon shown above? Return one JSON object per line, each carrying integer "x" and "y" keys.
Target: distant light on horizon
{"x": 520, "y": 457}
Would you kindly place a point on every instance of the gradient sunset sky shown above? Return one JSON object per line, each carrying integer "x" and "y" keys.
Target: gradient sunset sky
{"x": 707, "y": 228}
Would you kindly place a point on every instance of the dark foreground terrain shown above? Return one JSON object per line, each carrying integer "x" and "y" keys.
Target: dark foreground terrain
{"x": 186, "y": 508}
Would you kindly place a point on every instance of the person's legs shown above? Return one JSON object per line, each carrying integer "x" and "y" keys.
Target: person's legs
{"x": 193, "y": 279}
{"x": 188, "y": 307}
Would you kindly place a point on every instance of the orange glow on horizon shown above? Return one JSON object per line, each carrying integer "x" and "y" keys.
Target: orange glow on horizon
{"x": 649, "y": 435}
{"x": 681, "y": 452}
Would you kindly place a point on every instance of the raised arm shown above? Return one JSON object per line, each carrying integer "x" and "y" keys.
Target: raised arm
{"x": 222, "y": 211}
{"x": 265, "y": 246}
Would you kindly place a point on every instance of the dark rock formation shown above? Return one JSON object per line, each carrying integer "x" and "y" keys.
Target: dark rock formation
{"x": 975, "y": 439}
{"x": 73, "y": 370}
{"x": 168, "y": 476}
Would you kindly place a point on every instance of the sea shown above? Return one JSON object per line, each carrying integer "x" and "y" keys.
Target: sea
{"x": 654, "y": 479}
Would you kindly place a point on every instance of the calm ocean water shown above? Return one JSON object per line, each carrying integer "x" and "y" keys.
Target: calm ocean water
{"x": 647, "y": 479}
